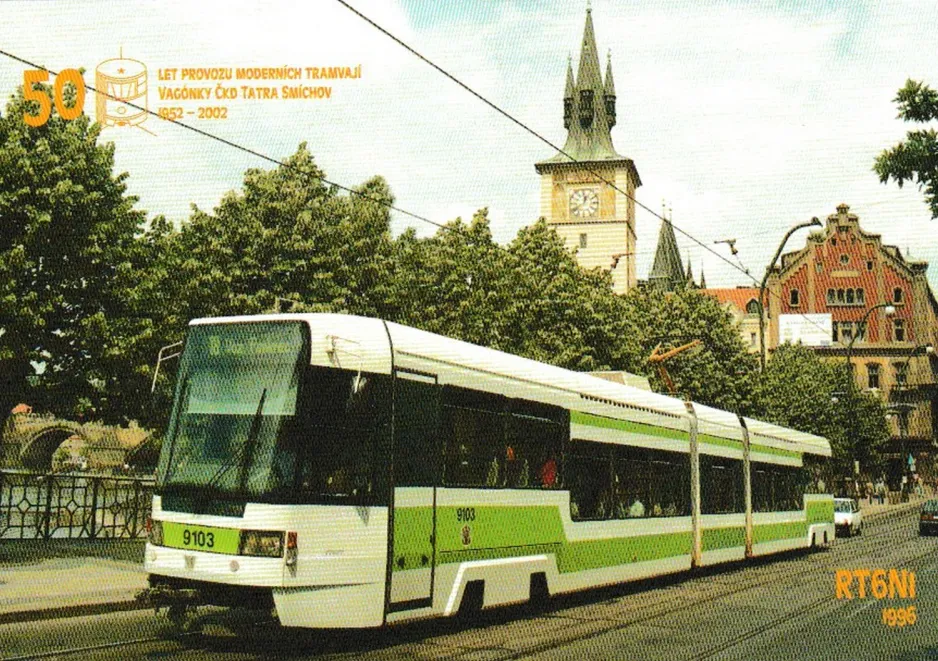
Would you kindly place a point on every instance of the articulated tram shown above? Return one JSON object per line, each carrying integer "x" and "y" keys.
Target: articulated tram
{"x": 352, "y": 472}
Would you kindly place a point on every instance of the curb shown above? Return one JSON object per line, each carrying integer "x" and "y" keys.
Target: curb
{"x": 78, "y": 610}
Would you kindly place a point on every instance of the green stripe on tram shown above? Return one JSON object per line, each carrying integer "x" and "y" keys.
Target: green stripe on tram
{"x": 603, "y": 422}
{"x": 510, "y": 531}
{"x": 714, "y": 539}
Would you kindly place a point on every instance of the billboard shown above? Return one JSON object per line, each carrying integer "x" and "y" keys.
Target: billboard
{"x": 812, "y": 330}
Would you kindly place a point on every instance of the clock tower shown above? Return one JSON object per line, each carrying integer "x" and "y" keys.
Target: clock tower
{"x": 577, "y": 198}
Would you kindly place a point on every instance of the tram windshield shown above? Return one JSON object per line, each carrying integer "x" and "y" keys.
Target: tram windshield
{"x": 235, "y": 406}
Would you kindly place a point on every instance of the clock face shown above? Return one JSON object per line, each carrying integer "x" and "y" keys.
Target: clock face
{"x": 584, "y": 202}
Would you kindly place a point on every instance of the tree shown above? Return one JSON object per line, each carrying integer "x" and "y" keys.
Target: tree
{"x": 801, "y": 391}
{"x": 531, "y": 299}
{"x": 719, "y": 373}
{"x": 915, "y": 159}
{"x": 68, "y": 259}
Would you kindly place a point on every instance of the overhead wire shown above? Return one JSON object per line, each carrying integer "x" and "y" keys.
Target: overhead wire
{"x": 536, "y": 134}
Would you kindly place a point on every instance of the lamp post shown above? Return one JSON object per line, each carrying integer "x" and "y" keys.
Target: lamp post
{"x": 811, "y": 223}
{"x": 851, "y": 386}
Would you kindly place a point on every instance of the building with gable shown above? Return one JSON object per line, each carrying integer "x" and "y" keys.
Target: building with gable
{"x": 844, "y": 271}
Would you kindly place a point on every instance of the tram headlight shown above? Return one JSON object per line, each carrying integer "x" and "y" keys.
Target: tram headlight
{"x": 264, "y": 543}
{"x": 155, "y": 532}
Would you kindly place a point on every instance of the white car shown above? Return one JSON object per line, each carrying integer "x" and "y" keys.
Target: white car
{"x": 848, "y": 519}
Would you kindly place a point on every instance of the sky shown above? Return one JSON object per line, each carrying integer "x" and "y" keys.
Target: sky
{"x": 744, "y": 118}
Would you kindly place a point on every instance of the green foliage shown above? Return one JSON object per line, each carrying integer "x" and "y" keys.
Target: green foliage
{"x": 915, "y": 159}
{"x": 531, "y": 299}
{"x": 69, "y": 261}
{"x": 801, "y": 391}
{"x": 718, "y": 373}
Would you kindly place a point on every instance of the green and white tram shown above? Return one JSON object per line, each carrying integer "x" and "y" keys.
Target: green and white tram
{"x": 354, "y": 472}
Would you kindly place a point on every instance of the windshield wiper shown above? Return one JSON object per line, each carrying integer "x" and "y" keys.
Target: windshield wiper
{"x": 242, "y": 452}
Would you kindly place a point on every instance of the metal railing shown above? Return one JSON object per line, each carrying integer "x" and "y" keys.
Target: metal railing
{"x": 72, "y": 506}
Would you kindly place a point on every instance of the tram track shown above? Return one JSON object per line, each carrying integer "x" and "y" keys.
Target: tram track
{"x": 831, "y": 559}
{"x": 51, "y": 654}
{"x": 790, "y": 617}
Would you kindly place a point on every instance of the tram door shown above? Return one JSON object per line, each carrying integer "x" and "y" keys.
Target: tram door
{"x": 417, "y": 458}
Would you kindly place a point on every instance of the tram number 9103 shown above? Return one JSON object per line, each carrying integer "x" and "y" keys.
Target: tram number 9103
{"x": 198, "y": 539}
{"x": 465, "y": 513}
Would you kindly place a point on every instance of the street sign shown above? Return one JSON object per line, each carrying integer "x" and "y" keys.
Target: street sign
{"x": 811, "y": 330}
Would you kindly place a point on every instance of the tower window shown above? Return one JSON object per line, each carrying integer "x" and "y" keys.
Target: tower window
{"x": 869, "y": 265}
{"x": 752, "y": 307}
{"x": 793, "y": 298}
{"x": 861, "y": 296}
{"x": 850, "y": 300}
{"x": 831, "y": 297}
{"x": 586, "y": 108}
{"x": 845, "y": 259}
{"x": 818, "y": 266}
{"x": 897, "y": 295}
{"x": 834, "y": 241}
{"x": 872, "y": 375}
{"x": 583, "y": 240}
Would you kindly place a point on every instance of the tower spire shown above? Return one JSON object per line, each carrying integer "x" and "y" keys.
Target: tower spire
{"x": 667, "y": 271}
{"x": 568, "y": 95}
{"x": 589, "y": 102}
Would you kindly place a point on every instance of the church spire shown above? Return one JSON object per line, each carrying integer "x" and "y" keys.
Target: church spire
{"x": 609, "y": 93}
{"x": 568, "y": 95}
{"x": 703, "y": 278}
{"x": 667, "y": 271}
{"x": 690, "y": 274}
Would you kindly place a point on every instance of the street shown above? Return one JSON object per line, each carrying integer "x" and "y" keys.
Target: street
{"x": 784, "y": 608}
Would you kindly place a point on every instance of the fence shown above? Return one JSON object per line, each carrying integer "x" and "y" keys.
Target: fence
{"x": 59, "y": 506}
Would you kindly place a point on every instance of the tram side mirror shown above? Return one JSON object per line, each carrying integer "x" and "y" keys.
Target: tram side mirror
{"x": 168, "y": 352}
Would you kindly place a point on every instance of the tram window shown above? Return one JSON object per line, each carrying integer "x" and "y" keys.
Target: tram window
{"x": 650, "y": 483}
{"x": 588, "y": 474}
{"x": 474, "y": 447}
{"x": 633, "y": 488}
{"x": 721, "y": 485}
{"x": 416, "y": 430}
{"x": 670, "y": 484}
{"x": 347, "y": 441}
{"x": 532, "y": 452}
{"x": 776, "y": 488}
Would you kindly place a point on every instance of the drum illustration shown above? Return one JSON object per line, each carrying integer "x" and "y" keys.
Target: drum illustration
{"x": 121, "y": 81}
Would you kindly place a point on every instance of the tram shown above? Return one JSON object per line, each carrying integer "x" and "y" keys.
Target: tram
{"x": 353, "y": 472}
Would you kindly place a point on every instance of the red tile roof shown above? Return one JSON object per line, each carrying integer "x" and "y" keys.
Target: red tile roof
{"x": 739, "y": 297}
